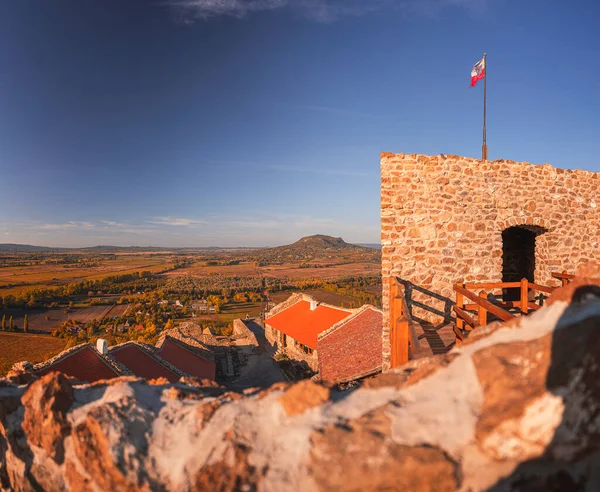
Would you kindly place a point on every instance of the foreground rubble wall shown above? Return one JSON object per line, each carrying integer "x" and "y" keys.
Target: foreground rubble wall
{"x": 514, "y": 407}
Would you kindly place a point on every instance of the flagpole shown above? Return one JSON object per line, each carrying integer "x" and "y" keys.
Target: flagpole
{"x": 484, "y": 149}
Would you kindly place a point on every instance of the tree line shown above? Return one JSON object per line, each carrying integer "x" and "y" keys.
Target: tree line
{"x": 11, "y": 326}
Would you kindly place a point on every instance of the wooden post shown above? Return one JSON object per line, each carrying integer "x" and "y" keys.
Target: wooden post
{"x": 401, "y": 342}
{"x": 398, "y": 327}
{"x": 460, "y": 302}
{"x": 400, "y": 333}
{"x": 563, "y": 280}
{"x": 524, "y": 296}
{"x": 481, "y": 311}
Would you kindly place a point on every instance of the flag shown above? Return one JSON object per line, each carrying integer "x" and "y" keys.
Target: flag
{"x": 478, "y": 72}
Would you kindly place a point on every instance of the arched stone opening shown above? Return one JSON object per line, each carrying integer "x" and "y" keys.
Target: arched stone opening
{"x": 519, "y": 255}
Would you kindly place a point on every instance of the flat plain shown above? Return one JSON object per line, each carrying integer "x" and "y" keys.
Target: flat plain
{"x": 45, "y": 320}
{"x": 23, "y": 278}
{"x": 301, "y": 265}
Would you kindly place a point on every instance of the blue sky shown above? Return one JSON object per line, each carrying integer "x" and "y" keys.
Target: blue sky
{"x": 232, "y": 122}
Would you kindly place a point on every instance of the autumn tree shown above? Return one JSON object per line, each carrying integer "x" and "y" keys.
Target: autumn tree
{"x": 170, "y": 325}
{"x": 150, "y": 333}
{"x": 214, "y": 300}
{"x": 4, "y": 322}
{"x": 240, "y": 297}
{"x": 25, "y": 324}
{"x": 10, "y": 324}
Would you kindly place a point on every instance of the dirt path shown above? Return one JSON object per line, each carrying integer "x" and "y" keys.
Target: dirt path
{"x": 261, "y": 370}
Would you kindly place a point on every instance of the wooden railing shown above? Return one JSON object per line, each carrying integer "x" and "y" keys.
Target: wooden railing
{"x": 473, "y": 314}
{"x": 402, "y": 336}
{"x": 564, "y": 277}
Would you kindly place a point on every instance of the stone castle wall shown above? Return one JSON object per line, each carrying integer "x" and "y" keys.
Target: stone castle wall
{"x": 442, "y": 219}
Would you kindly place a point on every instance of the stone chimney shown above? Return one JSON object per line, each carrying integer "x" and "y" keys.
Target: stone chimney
{"x": 313, "y": 305}
{"x": 102, "y": 346}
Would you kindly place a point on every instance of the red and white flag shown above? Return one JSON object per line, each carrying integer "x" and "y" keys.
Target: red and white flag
{"x": 478, "y": 72}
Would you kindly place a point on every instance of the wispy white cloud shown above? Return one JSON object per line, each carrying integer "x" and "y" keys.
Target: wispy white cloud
{"x": 244, "y": 229}
{"x": 318, "y": 10}
{"x": 314, "y": 170}
{"x": 89, "y": 228}
{"x": 204, "y": 9}
{"x": 111, "y": 226}
{"x": 66, "y": 226}
{"x": 137, "y": 230}
{"x": 176, "y": 221}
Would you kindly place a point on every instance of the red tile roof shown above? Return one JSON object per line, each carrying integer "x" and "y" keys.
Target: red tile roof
{"x": 85, "y": 364}
{"x": 186, "y": 360}
{"x": 353, "y": 349}
{"x": 304, "y": 325}
{"x": 140, "y": 363}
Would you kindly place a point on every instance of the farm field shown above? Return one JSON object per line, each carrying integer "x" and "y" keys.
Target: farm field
{"x": 374, "y": 289}
{"x": 319, "y": 295}
{"x": 38, "y": 322}
{"x": 118, "y": 310}
{"x": 279, "y": 271}
{"x": 198, "y": 270}
{"x": 229, "y": 312}
{"x": 19, "y": 289}
{"x": 15, "y": 279}
{"x": 328, "y": 272}
{"x": 16, "y": 347}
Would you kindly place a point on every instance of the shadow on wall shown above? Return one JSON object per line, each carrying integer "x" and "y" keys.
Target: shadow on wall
{"x": 571, "y": 460}
{"x": 432, "y": 299}
{"x": 295, "y": 370}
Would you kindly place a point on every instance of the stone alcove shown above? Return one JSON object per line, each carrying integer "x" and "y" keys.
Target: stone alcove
{"x": 519, "y": 255}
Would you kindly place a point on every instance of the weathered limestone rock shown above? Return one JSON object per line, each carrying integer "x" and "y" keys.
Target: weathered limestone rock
{"x": 362, "y": 455}
{"x": 46, "y": 403}
{"x": 516, "y": 408}
{"x": 303, "y": 396}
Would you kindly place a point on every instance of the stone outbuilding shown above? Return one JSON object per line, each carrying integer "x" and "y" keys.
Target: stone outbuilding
{"x": 342, "y": 344}
{"x": 294, "y": 326}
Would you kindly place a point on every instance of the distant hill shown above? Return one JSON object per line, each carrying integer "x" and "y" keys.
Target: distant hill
{"x": 26, "y": 248}
{"x": 320, "y": 241}
{"x": 318, "y": 248}
{"x": 317, "y": 244}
